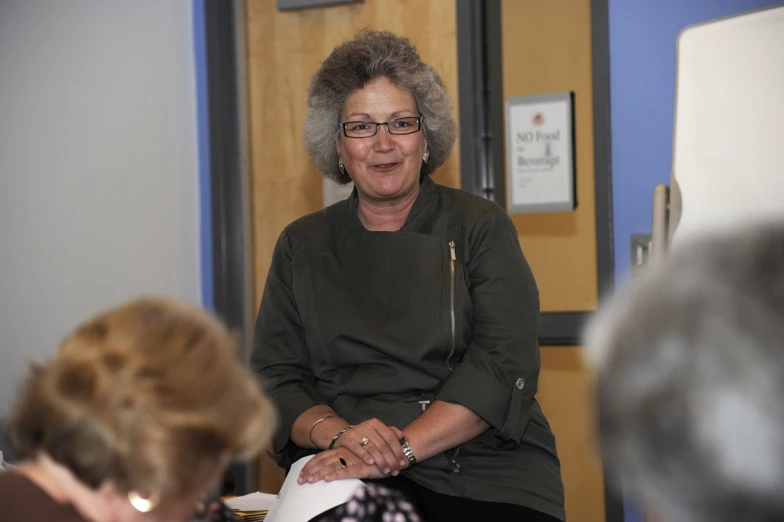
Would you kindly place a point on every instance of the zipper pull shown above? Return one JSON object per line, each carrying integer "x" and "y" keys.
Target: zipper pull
{"x": 424, "y": 404}
{"x": 452, "y": 250}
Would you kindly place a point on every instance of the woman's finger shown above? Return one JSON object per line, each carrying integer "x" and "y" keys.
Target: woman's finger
{"x": 385, "y": 458}
{"x": 324, "y": 468}
{"x": 321, "y": 460}
{"x": 312, "y": 464}
{"x": 388, "y": 444}
{"x": 376, "y": 444}
{"x": 369, "y": 451}
{"x": 327, "y": 469}
{"x": 359, "y": 471}
{"x": 357, "y": 448}
{"x": 384, "y": 463}
{"x": 391, "y": 444}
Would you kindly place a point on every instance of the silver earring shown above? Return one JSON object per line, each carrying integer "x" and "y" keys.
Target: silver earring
{"x": 341, "y": 167}
{"x": 425, "y": 156}
{"x": 141, "y": 504}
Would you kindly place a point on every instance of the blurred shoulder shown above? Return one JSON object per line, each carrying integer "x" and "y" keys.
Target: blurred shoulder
{"x": 22, "y": 499}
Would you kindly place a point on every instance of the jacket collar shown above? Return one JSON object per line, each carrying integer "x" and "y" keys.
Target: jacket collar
{"x": 427, "y": 189}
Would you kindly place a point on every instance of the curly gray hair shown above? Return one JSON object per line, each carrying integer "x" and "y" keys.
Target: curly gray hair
{"x": 691, "y": 380}
{"x": 351, "y": 66}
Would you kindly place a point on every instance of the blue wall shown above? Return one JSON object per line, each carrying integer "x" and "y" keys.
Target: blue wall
{"x": 643, "y": 36}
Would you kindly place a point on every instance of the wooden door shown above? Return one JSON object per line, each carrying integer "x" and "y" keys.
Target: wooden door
{"x": 546, "y": 47}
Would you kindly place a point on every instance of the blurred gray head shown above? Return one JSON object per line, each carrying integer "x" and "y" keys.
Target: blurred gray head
{"x": 690, "y": 360}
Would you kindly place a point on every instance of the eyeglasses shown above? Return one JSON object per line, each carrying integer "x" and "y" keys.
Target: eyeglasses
{"x": 368, "y": 129}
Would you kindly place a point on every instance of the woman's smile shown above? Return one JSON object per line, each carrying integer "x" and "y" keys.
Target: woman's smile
{"x": 385, "y": 167}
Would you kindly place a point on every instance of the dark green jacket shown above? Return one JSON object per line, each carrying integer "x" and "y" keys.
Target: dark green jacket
{"x": 447, "y": 308}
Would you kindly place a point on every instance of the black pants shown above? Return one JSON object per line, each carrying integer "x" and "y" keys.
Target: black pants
{"x": 437, "y": 507}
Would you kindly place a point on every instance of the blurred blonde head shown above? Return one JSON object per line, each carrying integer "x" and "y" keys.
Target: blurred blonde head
{"x": 148, "y": 397}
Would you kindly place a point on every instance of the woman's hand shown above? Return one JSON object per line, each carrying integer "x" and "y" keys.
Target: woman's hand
{"x": 338, "y": 464}
{"x": 376, "y": 444}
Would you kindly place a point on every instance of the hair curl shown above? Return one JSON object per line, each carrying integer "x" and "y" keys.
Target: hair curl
{"x": 352, "y": 65}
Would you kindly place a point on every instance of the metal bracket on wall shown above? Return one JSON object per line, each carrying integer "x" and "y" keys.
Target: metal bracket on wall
{"x": 640, "y": 250}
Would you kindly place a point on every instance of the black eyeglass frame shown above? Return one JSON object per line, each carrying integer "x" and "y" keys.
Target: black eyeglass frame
{"x": 385, "y": 123}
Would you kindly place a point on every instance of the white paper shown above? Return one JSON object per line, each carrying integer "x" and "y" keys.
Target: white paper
{"x": 252, "y": 502}
{"x": 300, "y": 503}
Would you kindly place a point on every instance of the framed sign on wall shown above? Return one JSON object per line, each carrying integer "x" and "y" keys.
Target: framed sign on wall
{"x": 540, "y": 148}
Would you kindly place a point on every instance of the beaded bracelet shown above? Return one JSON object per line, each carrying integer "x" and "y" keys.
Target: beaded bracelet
{"x": 336, "y": 437}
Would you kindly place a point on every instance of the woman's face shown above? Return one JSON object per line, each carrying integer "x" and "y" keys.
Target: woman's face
{"x": 384, "y": 167}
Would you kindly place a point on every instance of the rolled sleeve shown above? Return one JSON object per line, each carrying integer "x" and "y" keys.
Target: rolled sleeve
{"x": 280, "y": 354}
{"x": 498, "y": 377}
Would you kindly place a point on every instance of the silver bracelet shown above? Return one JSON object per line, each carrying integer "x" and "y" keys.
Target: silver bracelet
{"x": 337, "y": 436}
{"x": 310, "y": 433}
{"x": 408, "y": 452}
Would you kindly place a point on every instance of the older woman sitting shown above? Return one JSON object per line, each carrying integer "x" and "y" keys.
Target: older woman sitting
{"x": 398, "y": 329}
{"x": 134, "y": 419}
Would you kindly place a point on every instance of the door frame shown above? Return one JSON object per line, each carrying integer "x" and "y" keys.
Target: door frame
{"x": 224, "y": 150}
{"x": 482, "y": 169}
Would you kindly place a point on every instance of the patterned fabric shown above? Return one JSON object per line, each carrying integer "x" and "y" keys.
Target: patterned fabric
{"x": 373, "y": 503}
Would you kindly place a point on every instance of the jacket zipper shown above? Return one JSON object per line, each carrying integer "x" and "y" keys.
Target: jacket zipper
{"x": 453, "y": 336}
{"x": 452, "y": 260}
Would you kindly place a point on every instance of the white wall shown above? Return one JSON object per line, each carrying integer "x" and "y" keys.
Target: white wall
{"x": 98, "y": 166}
{"x": 729, "y": 123}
